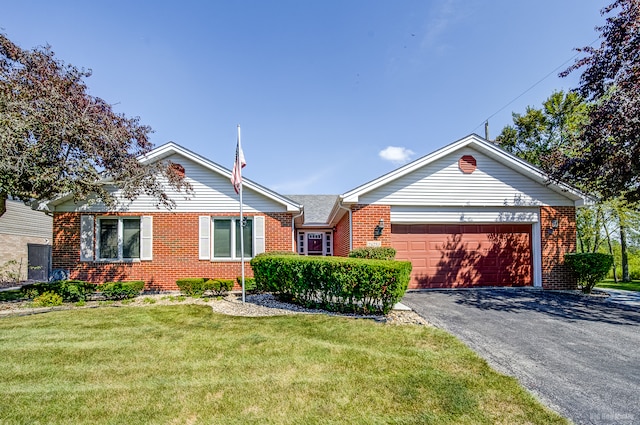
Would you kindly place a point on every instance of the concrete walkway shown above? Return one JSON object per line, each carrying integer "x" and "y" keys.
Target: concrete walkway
{"x": 630, "y": 298}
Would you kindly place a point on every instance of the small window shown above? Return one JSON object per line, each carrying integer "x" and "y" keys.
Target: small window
{"x": 226, "y": 238}
{"x": 119, "y": 238}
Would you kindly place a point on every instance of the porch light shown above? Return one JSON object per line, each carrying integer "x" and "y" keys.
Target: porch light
{"x": 377, "y": 232}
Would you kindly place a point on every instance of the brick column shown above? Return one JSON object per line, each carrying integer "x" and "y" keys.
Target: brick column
{"x": 555, "y": 242}
{"x": 365, "y": 218}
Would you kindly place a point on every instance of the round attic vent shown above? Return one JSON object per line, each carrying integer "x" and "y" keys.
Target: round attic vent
{"x": 179, "y": 169}
{"x": 467, "y": 164}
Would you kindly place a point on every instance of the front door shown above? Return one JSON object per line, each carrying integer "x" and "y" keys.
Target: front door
{"x": 314, "y": 243}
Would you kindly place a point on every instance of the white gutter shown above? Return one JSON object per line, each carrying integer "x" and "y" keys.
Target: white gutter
{"x": 293, "y": 229}
{"x": 350, "y": 227}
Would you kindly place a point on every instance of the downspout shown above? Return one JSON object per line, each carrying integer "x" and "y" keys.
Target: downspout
{"x": 293, "y": 229}
{"x": 350, "y": 229}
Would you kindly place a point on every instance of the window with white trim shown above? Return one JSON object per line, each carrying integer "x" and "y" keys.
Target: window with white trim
{"x": 118, "y": 238}
{"x": 219, "y": 237}
{"x": 226, "y": 237}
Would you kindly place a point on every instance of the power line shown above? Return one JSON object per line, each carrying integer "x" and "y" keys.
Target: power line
{"x": 532, "y": 86}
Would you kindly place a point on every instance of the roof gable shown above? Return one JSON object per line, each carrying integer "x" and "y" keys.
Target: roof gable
{"x": 212, "y": 188}
{"x": 500, "y": 179}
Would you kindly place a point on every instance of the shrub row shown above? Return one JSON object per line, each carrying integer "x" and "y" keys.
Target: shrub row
{"x": 333, "y": 283}
{"x": 78, "y": 290}
{"x": 198, "y": 286}
{"x": 374, "y": 253}
{"x": 69, "y": 290}
{"x": 121, "y": 290}
{"x": 589, "y": 268}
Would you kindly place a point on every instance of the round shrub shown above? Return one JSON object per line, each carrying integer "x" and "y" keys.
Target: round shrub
{"x": 589, "y": 268}
{"x": 47, "y": 299}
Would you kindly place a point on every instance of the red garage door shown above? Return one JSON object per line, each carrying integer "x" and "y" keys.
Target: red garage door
{"x": 447, "y": 256}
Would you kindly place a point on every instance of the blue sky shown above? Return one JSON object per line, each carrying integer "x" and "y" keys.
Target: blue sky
{"x": 329, "y": 94}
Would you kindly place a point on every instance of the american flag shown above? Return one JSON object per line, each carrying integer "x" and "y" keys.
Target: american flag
{"x": 236, "y": 175}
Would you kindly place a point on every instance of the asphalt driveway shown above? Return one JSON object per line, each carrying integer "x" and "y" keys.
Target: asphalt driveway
{"x": 580, "y": 356}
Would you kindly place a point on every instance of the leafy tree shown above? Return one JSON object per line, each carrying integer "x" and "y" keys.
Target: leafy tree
{"x": 540, "y": 135}
{"x": 57, "y": 139}
{"x": 610, "y": 142}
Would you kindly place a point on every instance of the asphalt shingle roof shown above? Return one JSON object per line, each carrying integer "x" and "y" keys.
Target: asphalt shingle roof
{"x": 316, "y": 207}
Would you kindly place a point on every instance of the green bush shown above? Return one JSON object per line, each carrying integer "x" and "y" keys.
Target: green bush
{"x": 374, "y": 253}
{"x": 69, "y": 290}
{"x": 249, "y": 282}
{"x": 218, "y": 287}
{"x": 589, "y": 268}
{"x": 47, "y": 299}
{"x": 121, "y": 290}
{"x": 192, "y": 286}
{"x": 334, "y": 283}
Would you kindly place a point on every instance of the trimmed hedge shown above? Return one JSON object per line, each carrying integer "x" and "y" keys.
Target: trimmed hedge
{"x": 69, "y": 290}
{"x": 374, "y": 253}
{"x": 218, "y": 287}
{"x": 197, "y": 286}
{"x": 333, "y": 283}
{"x": 191, "y": 285}
{"x": 589, "y": 268}
{"x": 121, "y": 290}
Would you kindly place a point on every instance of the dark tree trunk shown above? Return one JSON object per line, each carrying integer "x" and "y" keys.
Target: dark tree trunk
{"x": 3, "y": 203}
{"x": 606, "y": 231}
{"x": 625, "y": 258}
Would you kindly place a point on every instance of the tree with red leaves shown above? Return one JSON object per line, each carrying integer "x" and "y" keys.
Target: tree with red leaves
{"x": 56, "y": 139}
{"x": 609, "y": 146}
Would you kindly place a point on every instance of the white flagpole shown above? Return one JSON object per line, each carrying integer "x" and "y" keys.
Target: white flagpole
{"x": 241, "y": 222}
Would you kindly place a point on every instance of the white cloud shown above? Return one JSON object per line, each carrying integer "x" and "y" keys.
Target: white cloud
{"x": 396, "y": 154}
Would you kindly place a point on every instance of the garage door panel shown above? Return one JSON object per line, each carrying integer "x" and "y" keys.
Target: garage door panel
{"x": 466, "y": 255}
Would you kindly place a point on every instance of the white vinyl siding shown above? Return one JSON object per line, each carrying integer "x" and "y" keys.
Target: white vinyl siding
{"x": 212, "y": 192}
{"x": 21, "y": 220}
{"x": 441, "y": 183}
{"x": 406, "y": 214}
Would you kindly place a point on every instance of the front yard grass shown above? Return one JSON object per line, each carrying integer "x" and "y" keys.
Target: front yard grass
{"x": 626, "y": 286}
{"x": 186, "y": 365}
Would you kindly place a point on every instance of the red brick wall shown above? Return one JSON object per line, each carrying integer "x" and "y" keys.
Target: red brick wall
{"x": 365, "y": 218}
{"x": 556, "y": 243}
{"x": 175, "y": 250}
{"x": 341, "y": 237}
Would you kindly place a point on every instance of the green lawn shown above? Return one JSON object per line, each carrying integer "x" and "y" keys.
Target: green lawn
{"x": 184, "y": 364}
{"x": 627, "y": 286}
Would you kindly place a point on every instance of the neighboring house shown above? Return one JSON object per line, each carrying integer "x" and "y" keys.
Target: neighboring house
{"x": 25, "y": 251}
{"x": 469, "y": 214}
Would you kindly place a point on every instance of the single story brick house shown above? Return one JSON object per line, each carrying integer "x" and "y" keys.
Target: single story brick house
{"x": 469, "y": 214}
